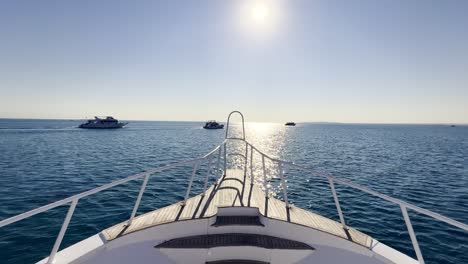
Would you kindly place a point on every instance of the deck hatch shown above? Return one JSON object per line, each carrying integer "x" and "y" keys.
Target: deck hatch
{"x": 233, "y": 240}
{"x": 238, "y": 220}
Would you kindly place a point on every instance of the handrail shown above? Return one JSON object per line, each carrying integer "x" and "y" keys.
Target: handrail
{"x": 227, "y": 125}
{"x": 403, "y": 205}
{"x": 266, "y": 155}
{"x": 389, "y": 199}
{"x": 213, "y": 151}
{"x": 366, "y": 190}
{"x": 90, "y": 192}
{"x": 75, "y": 198}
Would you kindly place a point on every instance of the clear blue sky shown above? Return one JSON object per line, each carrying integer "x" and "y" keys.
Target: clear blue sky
{"x": 379, "y": 61}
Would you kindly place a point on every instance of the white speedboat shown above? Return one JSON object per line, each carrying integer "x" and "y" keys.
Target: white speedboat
{"x": 107, "y": 122}
{"x": 233, "y": 221}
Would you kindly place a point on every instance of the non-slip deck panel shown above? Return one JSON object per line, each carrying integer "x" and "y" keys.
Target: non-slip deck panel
{"x": 236, "y": 261}
{"x": 234, "y": 240}
{"x": 238, "y": 220}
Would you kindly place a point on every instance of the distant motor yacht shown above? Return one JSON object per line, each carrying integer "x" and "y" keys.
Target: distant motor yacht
{"x": 212, "y": 124}
{"x": 290, "y": 124}
{"x": 107, "y": 122}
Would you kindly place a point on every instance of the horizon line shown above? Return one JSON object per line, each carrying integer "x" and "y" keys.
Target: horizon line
{"x": 300, "y": 122}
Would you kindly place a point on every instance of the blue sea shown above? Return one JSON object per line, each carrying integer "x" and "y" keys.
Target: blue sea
{"x": 42, "y": 161}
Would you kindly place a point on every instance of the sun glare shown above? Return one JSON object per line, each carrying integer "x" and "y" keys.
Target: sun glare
{"x": 259, "y": 13}
{"x": 259, "y": 17}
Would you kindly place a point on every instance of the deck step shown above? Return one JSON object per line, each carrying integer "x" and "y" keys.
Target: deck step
{"x": 234, "y": 240}
{"x": 245, "y": 220}
{"x": 236, "y": 261}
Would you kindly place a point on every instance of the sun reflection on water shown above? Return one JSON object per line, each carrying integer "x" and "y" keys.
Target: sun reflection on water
{"x": 270, "y": 138}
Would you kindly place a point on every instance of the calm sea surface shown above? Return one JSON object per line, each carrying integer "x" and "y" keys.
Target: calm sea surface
{"x": 42, "y": 161}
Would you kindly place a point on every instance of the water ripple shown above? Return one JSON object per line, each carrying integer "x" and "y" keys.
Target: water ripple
{"x": 43, "y": 161}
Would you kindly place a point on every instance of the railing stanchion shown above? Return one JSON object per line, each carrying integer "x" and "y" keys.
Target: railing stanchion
{"x": 61, "y": 234}
{"x": 251, "y": 165}
{"x": 195, "y": 168}
{"x": 412, "y": 234}
{"x": 225, "y": 157}
{"x": 207, "y": 175}
{"x": 283, "y": 183}
{"x": 265, "y": 182}
{"x": 140, "y": 195}
{"x": 218, "y": 163}
{"x": 246, "y": 158}
{"x": 337, "y": 202}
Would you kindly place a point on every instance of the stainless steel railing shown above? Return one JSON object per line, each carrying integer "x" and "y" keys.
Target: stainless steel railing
{"x": 73, "y": 200}
{"x": 404, "y": 206}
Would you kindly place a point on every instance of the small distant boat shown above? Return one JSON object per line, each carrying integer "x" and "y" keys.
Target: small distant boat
{"x": 290, "y": 124}
{"x": 212, "y": 124}
{"x": 453, "y": 126}
{"x": 99, "y": 123}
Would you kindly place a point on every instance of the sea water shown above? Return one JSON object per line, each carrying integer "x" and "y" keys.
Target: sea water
{"x": 42, "y": 161}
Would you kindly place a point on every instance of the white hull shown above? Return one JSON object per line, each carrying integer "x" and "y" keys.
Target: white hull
{"x": 103, "y": 123}
{"x": 139, "y": 247}
{"x": 102, "y": 126}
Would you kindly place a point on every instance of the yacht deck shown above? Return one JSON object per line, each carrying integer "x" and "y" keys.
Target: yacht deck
{"x": 235, "y": 190}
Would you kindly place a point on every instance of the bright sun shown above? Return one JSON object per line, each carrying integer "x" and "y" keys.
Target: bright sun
{"x": 260, "y": 13}
{"x": 259, "y": 17}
